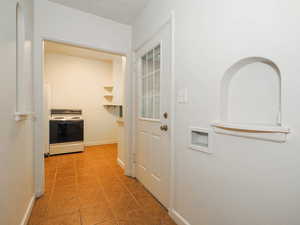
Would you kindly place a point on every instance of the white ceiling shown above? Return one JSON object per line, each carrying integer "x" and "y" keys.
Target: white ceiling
{"x": 54, "y": 47}
{"x": 123, "y": 11}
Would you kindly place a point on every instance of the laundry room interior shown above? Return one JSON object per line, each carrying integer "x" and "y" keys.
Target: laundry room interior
{"x": 83, "y": 99}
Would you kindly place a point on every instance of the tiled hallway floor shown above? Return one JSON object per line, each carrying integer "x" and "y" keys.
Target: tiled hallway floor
{"x": 90, "y": 189}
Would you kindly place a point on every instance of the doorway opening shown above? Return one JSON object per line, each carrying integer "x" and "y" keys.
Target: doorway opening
{"x": 83, "y": 99}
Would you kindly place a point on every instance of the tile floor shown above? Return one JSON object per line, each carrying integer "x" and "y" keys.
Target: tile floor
{"x": 91, "y": 189}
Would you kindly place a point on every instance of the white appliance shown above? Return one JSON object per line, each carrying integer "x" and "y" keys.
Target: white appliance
{"x": 66, "y": 131}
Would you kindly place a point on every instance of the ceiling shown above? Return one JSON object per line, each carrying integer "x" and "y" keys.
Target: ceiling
{"x": 122, "y": 11}
{"x": 55, "y": 47}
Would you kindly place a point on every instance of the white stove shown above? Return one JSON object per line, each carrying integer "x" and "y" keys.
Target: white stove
{"x": 65, "y": 117}
{"x": 66, "y": 131}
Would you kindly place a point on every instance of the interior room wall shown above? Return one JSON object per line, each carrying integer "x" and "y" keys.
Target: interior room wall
{"x": 16, "y": 138}
{"x": 119, "y": 72}
{"x": 77, "y": 83}
{"x": 244, "y": 181}
{"x": 59, "y": 23}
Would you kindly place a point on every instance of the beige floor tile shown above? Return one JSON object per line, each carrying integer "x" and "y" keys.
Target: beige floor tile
{"x": 68, "y": 219}
{"x": 64, "y": 192}
{"x": 111, "y": 222}
{"x": 65, "y": 206}
{"x": 90, "y": 188}
{"x": 65, "y": 181}
{"x": 96, "y": 214}
{"x": 90, "y": 197}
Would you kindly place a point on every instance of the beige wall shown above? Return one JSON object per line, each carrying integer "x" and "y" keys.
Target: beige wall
{"x": 78, "y": 83}
{"x": 244, "y": 181}
{"x": 16, "y": 138}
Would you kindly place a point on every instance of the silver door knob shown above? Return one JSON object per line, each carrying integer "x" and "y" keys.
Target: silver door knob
{"x": 164, "y": 127}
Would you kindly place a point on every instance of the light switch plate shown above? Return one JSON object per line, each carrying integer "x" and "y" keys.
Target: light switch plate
{"x": 182, "y": 96}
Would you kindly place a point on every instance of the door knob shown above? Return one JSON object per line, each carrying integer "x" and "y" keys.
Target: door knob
{"x": 165, "y": 115}
{"x": 164, "y": 127}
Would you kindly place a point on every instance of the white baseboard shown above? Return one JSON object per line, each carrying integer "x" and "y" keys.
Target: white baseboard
{"x": 28, "y": 211}
{"x": 121, "y": 163}
{"x": 101, "y": 142}
{"x": 178, "y": 218}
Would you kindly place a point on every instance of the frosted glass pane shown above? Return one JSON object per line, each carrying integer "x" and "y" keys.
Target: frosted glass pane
{"x": 157, "y": 83}
{"x": 150, "y": 94}
{"x": 157, "y": 58}
{"x": 150, "y": 84}
{"x": 150, "y": 61}
{"x": 143, "y": 108}
{"x": 150, "y": 107}
{"x": 144, "y": 87}
{"x": 144, "y": 65}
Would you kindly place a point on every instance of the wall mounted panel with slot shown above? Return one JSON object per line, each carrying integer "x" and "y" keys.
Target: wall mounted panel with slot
{"x": 200, "y": 139}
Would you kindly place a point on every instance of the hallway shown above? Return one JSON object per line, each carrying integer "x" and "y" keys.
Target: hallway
{"x": 90, "y": 189}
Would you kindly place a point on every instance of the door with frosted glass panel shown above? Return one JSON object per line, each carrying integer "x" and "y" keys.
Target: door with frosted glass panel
{"x": 152, "y": 119}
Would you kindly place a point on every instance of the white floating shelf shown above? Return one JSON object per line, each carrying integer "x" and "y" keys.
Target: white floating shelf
{"x": 255, "y": 131}
{"x": 108, "y": 87}
{"x": 114, "y": 105}
{"x": 21, "y": 115}
{"x": 108, "y": 95}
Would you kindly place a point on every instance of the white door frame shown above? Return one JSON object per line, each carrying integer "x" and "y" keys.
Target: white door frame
{"x": 39, "y": 129}
{"x": 169, "y": 20}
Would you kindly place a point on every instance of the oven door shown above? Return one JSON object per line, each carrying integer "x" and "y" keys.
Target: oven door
{"x": 62, "y": 131}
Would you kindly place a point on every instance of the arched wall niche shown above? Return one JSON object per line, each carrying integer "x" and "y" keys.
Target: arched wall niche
{"x": 243, "y": 83}
{"x": 251, "y": 92}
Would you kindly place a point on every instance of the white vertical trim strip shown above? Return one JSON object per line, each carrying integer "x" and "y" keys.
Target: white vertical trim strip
{"x": 172, "y": 121}
{"x": 28, "y": 211}
{"x": 178, "y": 218}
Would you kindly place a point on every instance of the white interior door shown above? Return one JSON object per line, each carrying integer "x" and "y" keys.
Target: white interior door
{"x": 152, "y": 120}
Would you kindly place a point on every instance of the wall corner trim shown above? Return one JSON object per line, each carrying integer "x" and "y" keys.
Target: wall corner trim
{"x": 121, "y": 163}
{"x": 100, "y": 142}
{"x": 28, "y": 211}
{"x": 178, "y": 218}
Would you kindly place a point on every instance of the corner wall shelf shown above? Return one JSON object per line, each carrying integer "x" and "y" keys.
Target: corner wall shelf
{"x": 108, "y": 87}
{"x": 21, "y": 115}
{"x": 108, "y": 95}
{"x": 255, "y": 131}
{"x": 111, "y": 105}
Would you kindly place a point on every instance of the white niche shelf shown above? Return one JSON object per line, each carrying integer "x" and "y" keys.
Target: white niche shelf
{"x": 251, "y": 93}
{"x": 256, "y": 131}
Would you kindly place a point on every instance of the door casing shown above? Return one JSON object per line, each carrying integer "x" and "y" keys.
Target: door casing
{"x": 40, "y": 114}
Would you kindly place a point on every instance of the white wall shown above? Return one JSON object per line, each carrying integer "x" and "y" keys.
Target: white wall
{"x": 244, "y": 182}
{"x": 119, "y": 72}
{"x": 56, "y": 22}
{"x": 77, "y": 83}
{"x": 121, "y": 143}
{"x": 16, "y": 138}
